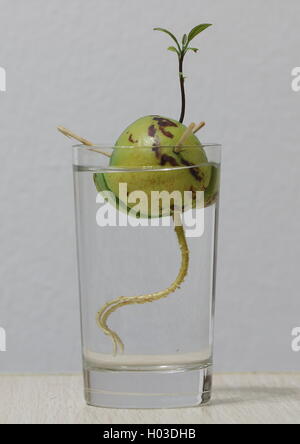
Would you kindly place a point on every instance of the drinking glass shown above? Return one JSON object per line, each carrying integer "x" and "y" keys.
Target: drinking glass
{"x": 147, "y": 285}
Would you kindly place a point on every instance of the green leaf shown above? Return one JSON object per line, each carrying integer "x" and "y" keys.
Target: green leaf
{"x": 173, "y": 49}
{"x": 184, "y": 40}
{"x": 197, "y": 30}
{"x": 170, "y": 34}
{"x": 195, "y": 50}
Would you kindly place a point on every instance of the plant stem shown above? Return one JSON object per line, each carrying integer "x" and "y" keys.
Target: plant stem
{"x": 182, "y": 88}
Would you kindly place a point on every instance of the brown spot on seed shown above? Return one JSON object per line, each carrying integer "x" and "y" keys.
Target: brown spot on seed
{"x": 193, "y": 171}
{"x": 164, "y": 122}
{"x": 131, "y": 139}
{"x": 152, "y": 131}
{"x": 166, "y": 133}
{"x": 194, "y": 191}
{"x": 168, "y": 159}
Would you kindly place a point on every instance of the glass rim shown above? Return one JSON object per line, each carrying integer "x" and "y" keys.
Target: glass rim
{"x": 110, "y": 146}
{"x": 84, "y": 157}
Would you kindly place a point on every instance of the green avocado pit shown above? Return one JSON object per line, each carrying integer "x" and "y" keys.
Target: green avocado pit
{"x": 150, "y": 143}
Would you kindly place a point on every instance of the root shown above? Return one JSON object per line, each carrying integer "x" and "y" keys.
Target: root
{"x": 112, "y": 306}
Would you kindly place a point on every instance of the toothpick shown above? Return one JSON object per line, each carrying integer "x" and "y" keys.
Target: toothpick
{"x": 199, "y": 127}
{"x": 192, "y": 129}
{"x": 188, "y": 132}
{"x": 86, "y": 142}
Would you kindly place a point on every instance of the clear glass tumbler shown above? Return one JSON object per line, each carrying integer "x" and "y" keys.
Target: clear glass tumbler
{"x": 147, "y": 276}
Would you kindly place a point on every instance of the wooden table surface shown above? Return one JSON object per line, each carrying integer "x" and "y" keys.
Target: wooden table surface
{"x": 238, "y": 399}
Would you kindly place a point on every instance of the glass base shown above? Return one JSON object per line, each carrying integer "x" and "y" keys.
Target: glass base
{"x": 148, "y": 389}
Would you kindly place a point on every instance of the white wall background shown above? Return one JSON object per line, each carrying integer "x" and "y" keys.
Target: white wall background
{"x": 95, "y": 66}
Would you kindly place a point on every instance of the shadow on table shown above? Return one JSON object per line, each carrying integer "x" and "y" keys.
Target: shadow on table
{"x": 247, "y": 394}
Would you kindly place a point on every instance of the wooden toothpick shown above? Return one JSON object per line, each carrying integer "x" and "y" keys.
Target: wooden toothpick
{"x": 86, "y": 142}
{"x": 192, "y": 129}
{"x": 198, "y": 127}
{"x": 188, "y": 132}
